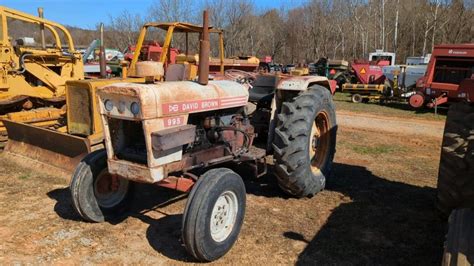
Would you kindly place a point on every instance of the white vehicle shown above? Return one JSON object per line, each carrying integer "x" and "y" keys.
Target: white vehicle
{"x": 381, "y": 55}
{"x": 414, "y": 69}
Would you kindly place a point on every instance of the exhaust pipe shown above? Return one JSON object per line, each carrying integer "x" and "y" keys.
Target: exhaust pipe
{"x": 43, "y": 40}
{"x": 204, "y": 51}
{"x": 102, "y": 64}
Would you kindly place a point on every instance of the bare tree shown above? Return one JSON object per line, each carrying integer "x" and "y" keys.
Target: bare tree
{"x": 331, "y": 28}
{"x": 123, "y": 30}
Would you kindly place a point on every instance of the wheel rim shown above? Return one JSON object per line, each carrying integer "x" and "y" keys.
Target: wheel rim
{"x": 356, "y": 98}
{"x": 416, "y": 100}
{"x": 224, "y": 214}
{"x": 319, "y": 142}
{"x": 110, "y": 190}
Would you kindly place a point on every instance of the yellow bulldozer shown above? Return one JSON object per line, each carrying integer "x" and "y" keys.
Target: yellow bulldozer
{"x": 81, "y": 134}
{"x": 33, "y": 76}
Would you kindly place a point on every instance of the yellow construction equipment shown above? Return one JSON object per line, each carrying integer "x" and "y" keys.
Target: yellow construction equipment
{"x": 82, "y": 133}
{"x": 33, "y": 77}
{"x": 300, "y": 71}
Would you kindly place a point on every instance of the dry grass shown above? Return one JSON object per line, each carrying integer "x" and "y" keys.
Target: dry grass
{"x": 377, "y": 209}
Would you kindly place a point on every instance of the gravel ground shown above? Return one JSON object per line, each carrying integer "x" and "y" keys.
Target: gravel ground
{"x": 391, "y": 124}
{"x": 377, "y": 209}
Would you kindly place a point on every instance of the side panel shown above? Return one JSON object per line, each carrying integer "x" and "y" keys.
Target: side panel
{"x": 82, "y": 109}
{"x": 303, "y": 83}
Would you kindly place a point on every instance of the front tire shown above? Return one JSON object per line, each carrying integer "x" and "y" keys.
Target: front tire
{"x": 305, "y": 142}
{"x": 214, "y": 214}
{"x": 96, "y": 194}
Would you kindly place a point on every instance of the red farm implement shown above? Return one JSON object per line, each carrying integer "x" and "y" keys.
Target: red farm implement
{"x": 448, "y": 78}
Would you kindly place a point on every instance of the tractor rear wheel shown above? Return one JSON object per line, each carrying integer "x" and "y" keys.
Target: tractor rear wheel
{"x": 96, "y": 194}
{"x": 459, "y": 245}
{"x": 456, "y": 169}
{"x": 305, "y": 142}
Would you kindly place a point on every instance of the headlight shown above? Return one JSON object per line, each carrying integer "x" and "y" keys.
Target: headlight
{"x": 108, "y": 105}
{"x": 135, "y": 108}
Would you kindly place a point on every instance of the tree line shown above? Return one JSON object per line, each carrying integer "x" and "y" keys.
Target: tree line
{"x": 336, "y": 29}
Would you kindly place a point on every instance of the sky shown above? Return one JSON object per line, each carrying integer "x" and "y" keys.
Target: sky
{"x": 88, "y": 13}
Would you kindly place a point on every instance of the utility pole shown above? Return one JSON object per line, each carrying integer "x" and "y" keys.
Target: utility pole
{"x": 383, "y": 25}
{"x": 395, "y": 38}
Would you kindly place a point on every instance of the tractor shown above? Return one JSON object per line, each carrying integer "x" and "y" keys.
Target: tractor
{"x": 456, "y": 178}
{"x": 81, "y": 132}
{"x": 187, "y": 134}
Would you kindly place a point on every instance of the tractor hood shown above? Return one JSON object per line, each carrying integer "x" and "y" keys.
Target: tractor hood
{"x": 169, "y": 98}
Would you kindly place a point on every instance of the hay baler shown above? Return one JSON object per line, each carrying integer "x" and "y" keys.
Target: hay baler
{"x": 447, "y": 76}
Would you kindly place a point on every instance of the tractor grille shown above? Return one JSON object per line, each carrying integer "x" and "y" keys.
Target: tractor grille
{"x": 128, "y": 140}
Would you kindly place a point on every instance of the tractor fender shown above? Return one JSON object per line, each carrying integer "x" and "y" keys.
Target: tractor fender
{"x": 288, "y": 88}
{"x": 302, "y": 83}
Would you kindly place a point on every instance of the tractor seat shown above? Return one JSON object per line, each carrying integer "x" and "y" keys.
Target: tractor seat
{"x": 264, "y": 86}
{"x": 183, "y": 58}
{"x": 180, "y": 72}
{"x": 256, "y": 94}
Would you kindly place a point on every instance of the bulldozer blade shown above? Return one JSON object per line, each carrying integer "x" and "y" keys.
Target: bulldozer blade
{"x": 31, "y": 144}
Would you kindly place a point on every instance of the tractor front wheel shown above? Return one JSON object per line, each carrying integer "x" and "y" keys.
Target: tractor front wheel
{"x": 305, "y": 142}
{"x": 96, "y": 194}
{"x": 214, "y": 214}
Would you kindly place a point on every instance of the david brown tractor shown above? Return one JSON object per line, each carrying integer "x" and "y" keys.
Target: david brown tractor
{"x": 184, "y": 134}
{"x": 81, "y": 132}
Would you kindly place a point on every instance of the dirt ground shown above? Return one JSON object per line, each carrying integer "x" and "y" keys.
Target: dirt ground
{"x": 378, "y": 208}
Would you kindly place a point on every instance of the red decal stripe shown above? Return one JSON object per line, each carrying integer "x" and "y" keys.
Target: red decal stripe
{"x": 202, "y": 105}
{"x": 234, "y": 99}
{"x": 234, "y": 103}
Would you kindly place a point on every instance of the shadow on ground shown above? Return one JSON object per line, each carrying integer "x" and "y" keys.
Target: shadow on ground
{"x": 163, "y": 234}
{"x": 385, "y": 223}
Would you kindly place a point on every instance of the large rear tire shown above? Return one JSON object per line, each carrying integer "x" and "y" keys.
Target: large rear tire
{"x": 305, "y": 142}
{"x": 459, "y": 245}
{"x": 214, "y": 214}
{"x": 456, "y": 169}
{"x": 96, "y": 194}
